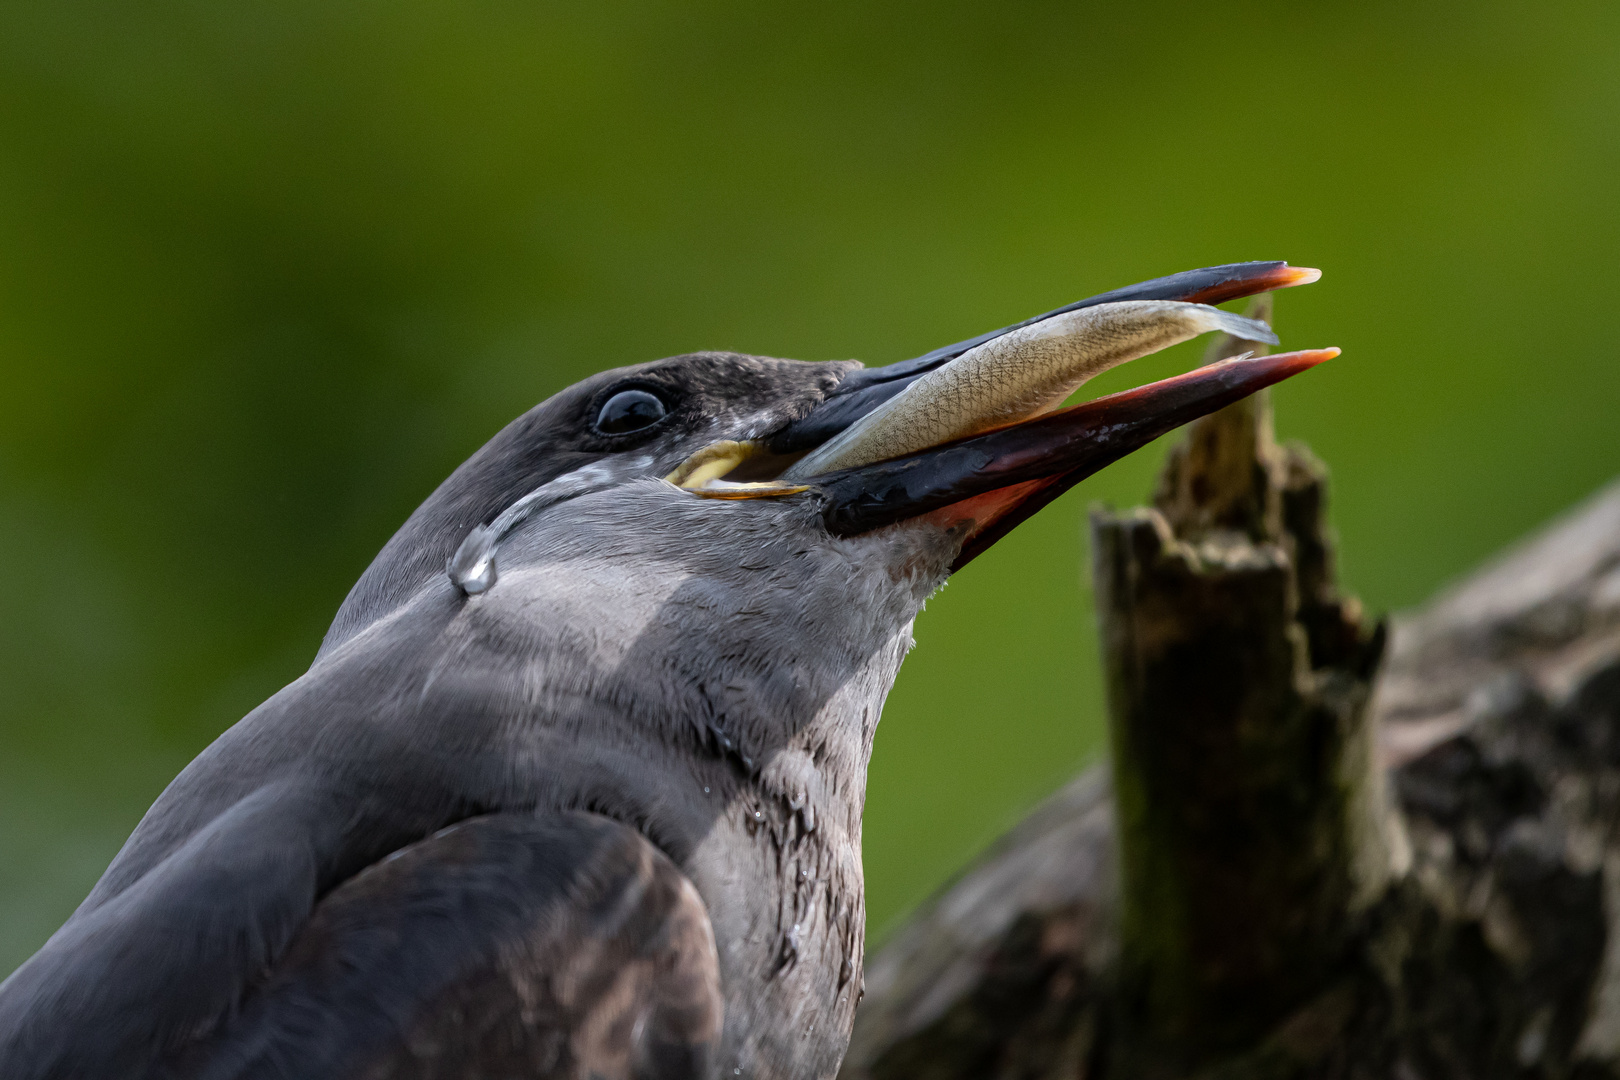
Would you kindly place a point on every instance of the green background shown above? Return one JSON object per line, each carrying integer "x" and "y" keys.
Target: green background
{"x": 268, "y": 271}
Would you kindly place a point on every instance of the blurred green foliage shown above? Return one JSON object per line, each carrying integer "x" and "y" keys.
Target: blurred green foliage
{"x": 270, "y": 269}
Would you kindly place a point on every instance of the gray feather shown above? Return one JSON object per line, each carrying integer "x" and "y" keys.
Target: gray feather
{"x": 630, "y": 631}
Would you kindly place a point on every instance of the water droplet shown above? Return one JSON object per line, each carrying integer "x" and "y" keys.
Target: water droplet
{"x": 705, "y": 789}
{"x": 472, "y": 567}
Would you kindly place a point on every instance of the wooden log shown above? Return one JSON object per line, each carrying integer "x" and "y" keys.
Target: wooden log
{"x": 1250, "y": 906}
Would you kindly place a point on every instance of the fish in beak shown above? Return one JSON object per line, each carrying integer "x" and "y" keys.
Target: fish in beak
{"x": 973, "y": 436}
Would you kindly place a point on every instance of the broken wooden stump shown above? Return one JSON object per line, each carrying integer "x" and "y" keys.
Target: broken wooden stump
{"x": 1253, "y": 830}
{"x": 1304, "y": 874}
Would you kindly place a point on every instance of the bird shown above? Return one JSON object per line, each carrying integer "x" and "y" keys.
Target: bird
{"x": 573, "y": 786}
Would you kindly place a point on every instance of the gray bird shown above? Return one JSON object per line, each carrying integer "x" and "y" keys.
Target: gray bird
{"x": 573, "y": 787}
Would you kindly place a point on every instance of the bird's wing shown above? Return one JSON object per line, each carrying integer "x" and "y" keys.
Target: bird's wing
{"x": 562, "y": 945}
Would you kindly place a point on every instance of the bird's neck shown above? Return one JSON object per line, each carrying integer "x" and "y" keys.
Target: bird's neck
{"x": 780, "y": 872}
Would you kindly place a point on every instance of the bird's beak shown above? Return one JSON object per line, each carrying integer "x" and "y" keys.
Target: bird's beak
{"x": 967, "y": 435}
{"x": 992, "y": 481}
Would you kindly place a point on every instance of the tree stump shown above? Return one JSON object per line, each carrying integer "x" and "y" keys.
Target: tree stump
{"x": 1295, "y": 864}
{"x": 1252, "y": 829}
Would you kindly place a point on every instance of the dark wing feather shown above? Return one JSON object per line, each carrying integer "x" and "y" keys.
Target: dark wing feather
{"x": 508, "y": 945}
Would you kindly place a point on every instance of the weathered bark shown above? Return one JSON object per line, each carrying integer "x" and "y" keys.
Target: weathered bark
{"x": 1255, "y": 903}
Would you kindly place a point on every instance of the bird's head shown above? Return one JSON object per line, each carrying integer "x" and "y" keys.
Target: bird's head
{"x": 712, "y": 461}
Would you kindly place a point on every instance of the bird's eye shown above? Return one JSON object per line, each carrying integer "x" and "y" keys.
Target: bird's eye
{"x": 630, "y": 410}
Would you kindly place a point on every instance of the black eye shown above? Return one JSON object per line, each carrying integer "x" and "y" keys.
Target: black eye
{"x": 630, "y": 410}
